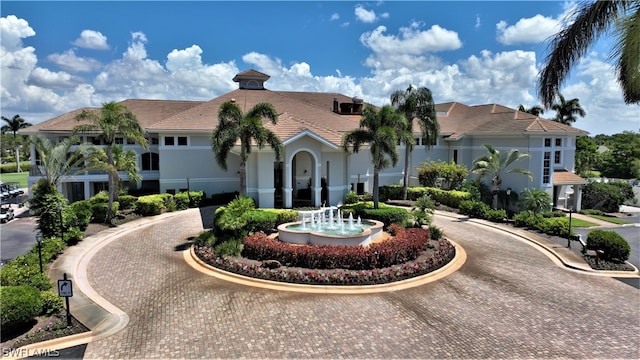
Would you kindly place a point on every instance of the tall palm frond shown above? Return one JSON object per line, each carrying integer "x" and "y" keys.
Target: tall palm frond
{"x": 380, "y": 131}
{"x": 566, "y": 110}
{"x": 58, "y": 161}
{"x": 234, "y": 126}
{"x": 416, "y": 103}
{"x": 590, "y": 21}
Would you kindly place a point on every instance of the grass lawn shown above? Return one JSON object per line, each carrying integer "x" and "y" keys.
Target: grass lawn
{"x": 581, "y": 223}
{"x": 20, "y": 178}
{"x": 610, "y": 219}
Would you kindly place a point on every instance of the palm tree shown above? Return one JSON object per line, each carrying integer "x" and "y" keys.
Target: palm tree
{"x": 535, "y": 200}
{"x": 416, "y": 103}
{"x": 61, "y": 160}
{"x": 566, "y": 111}
{"x": 235, "y": 125}
{"x": 380, "y": 130}
{"x": 495, "y": 164}
{"x": 535, "y": 110}
{"x": 113, "y": 119}
{"x": 14, "y": 124}
{"x": 591, "y": 20}
{"x": 123, "y": 161}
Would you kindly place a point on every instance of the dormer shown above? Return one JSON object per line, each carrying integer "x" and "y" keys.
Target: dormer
{"x": 251, "y": 79}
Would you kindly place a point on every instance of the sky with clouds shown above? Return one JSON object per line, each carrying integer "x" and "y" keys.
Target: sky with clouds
{"x": 59, "y": 56}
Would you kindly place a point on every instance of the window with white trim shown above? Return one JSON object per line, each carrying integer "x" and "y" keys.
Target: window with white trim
{"x": 546, "y": 167}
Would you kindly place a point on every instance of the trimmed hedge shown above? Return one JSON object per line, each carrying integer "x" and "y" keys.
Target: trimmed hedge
{"x": 451, "y": 198}
{"x": 19, "y": 306}
{"x": 556, "y": 226}
{"x": 12, "y": 167}
{"x": 127, "y": 202}
{"x": 192, "y": 199}
{"x": 407, "y": 245}
{"x": 610, "y": 243}
{"x": 150, "y": 205}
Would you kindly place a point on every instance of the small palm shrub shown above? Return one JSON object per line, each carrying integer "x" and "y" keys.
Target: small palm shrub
{"x": 20, "y": 305}
{"x": 231, "y": 247}
{"x": 610, "y": 243}
{"x": 351, "y": 198}
{"x": 535, "y": 200}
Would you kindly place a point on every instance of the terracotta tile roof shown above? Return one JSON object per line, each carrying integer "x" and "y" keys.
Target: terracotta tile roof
{"x": 566, "y": 177}
{"x": 147, "y": 112}
{"x": 294, "y": 114}
{"x": 457, "y": 120}
{"x": 313, "y": 112}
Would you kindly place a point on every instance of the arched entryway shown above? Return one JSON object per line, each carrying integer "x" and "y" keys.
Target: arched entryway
{"x": 302, "y": 179}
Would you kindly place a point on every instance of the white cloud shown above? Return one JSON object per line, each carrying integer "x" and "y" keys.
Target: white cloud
{"x": 12, "y": 31}
{"x": 532, "y": 30}
{"x": 90, "y": 39}
{"x": 364, "y": 15}
{"x": 395, "y": 61}
{"x": 413, "y": 47}
{"x": 334, "y": 16}
{"x": 69, "y": 61}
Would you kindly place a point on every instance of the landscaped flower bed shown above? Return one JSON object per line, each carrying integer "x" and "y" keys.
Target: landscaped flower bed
{"x": 411, "y": 262}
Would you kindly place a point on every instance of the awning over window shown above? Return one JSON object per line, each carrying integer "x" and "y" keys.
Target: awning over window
{"x": 566, "y": 177}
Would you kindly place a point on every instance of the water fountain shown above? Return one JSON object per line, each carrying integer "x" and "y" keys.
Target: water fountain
{"x": 321, "y": 227}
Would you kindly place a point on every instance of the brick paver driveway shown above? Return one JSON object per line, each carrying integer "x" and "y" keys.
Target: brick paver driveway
{"x": 507, "y": 301}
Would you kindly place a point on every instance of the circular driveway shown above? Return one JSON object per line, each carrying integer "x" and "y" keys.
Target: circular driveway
{"x": 507, "y": 301}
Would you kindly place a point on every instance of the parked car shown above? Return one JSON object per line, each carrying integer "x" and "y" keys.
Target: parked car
{"x": 6, "y": 214}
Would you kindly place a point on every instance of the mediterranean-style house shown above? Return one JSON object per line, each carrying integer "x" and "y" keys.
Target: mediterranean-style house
{"x": 314, "y": 168}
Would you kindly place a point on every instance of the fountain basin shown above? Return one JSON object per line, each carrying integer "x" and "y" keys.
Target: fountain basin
{"x": 361, "y": 235}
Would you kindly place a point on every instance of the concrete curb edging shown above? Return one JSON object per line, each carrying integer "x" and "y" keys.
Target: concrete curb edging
{"x": 548, "y": 251}
{"x": 87, "y": 306}
{"x": 456, "y": 263}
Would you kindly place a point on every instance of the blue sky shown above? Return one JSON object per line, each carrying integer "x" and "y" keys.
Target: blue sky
{"x": 59, "y": 56}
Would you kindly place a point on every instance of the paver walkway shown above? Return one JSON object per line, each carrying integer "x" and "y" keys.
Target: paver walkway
{"x": 507, "y": 301}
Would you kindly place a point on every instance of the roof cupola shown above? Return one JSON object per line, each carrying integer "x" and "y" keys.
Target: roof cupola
{"x": 251, "y": 79}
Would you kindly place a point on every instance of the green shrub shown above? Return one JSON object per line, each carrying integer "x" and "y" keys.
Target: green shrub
{"x": 389, "y": 215}
{"x": 536, "y": 200}
{"x": 205, "y": 238}
{"x": 527, "y": 219}
{"x": 101, "y": 197}
{"x": 351, "y": 197}
{"x": 100, "y": 211}
{"x": 451, "y": 174}
{"x": 606, "y": 197}
{"x": 46, "y": 203}
{"x": 230, "y": 220}
{"x": 495, "y": 215}
{"x": 127, "y": 202}
{"x": 261, "y": 220}
{"x": 150, "y": 205}
{"x": 13, "y": 167}
{"x": 476, "y": 209}
{"x": 435, "y": 232}
{"x": 286, "y": 216}
{"x": 78, "y": 214}
{"x": 554, "y": 213}
{"x": 473, "y": 188}
{"x": 52, "y": 304}
{"x": 191, "y": 199}
{"x": 73, "y": 235}
{"x": 25, "y": 270}
{"x": 19, "y": 306}
{"x": 611, "y": 243}
{"x": 232, "y": 247}
{"x": 50, "y": 248}
{"x": 591, "y": 212}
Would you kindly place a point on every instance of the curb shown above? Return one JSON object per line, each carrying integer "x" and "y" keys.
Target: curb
{"x": 549, "y": 252}
{"x": 452, "y": 266}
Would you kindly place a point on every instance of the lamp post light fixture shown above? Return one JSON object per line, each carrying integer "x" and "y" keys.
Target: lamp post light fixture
{"x": 508, "y": 192}
{"x": 39, "y": 241}
{"x": 569, "y": 235}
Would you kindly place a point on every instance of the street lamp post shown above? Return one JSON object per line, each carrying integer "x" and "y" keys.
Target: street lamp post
{"x": 39, "y": 241}
{"x": 569, "y": 235}
{"x": 508, "y": 192}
